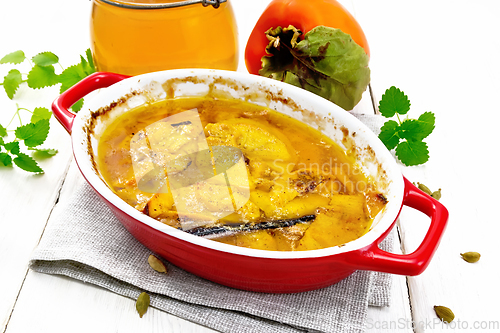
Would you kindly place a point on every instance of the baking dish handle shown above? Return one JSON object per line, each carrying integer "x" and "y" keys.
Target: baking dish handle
{"x": 375, "y": 259}
{"x": 60, "y": 107}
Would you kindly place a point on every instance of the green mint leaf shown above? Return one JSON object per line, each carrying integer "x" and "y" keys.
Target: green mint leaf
{"x": 77, "y": 106}
{"x": 12, "y": 147}
{"x": 5, "y": 159}
{"x": 418, "y": 129}
{"x": 41, "y": 77}
{"x": 40, "y": 113}
{"x": 84, "y": 64}
{"x": 70, "y": 76}
{"x": 412, "y": 152}
{"x": 90, "y": 60}
{"x": 410, "y": 130}
{"x": 3, "y": 132}
{"x": 27, "y": 163}
{"x": 33, "y": 134}
{"x": 11, "y": 82}
{"x": 44, "y": 152}
{"x": 389, "y": 134}
{"x": 45, "y": 59}
{"x": 393, "y": 101}
{"x": 87, "y": 67}
{"x": 326, "y": 62}
{"x": 74, "y": 74}
{"x": 15, "y": 58}
{"x": 427, "y": 121}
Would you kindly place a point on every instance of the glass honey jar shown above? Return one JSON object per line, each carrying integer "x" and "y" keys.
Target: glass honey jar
{"x": 139, "y": 36}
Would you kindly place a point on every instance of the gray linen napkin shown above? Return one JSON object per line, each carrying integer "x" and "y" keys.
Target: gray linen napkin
{"x": 84, "y": 240}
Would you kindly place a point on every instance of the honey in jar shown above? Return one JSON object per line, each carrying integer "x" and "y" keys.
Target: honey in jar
{"x": 139, "y": 36}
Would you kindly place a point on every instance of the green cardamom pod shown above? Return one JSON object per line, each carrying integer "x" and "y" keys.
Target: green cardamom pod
{"x": 157, "y": 264}
{"x": 424, "y": 188}
{"x": 444, "y": 313}
{"x": 436, "y": 194}
{"x": 142, "y": 304}
{"x": 471, "y": 257}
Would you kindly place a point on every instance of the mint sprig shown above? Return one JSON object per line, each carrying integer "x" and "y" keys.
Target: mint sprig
{"x": 43, "y": 73}
{"x": 32, "y": 135}
{"x": 406, "y": 136}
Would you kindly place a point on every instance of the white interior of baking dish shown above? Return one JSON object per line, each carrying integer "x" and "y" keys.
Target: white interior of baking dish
{"x": 333, "y": 121}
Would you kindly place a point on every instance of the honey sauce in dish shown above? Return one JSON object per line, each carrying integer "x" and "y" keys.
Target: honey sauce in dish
{"x": 237, "y": 173}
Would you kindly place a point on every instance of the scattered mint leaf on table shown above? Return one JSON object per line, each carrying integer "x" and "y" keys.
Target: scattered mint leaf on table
{"x": 45, "y": 59}
{"x": 405, "y": 136}
{"x": 70, "y": 76}
{"x": 389, "y": 134}
{"x": 27, "y": 163}
{"x": 11, "y": 82}
{"x": 90, "y": 59}
{"x": 42, "y": 74}
{"x": 44, "y": 152}
{"x": 15, "y": 58}
{"x": 426, "y": 121}
{"x": 33, "y": 134}
{"x": 392, "y": 102}
{"x": 73, "y": 74}
{"x": 12, "y": 147}
{"x": 40, "y": 113}
{"x": 412, "y": 152}
{"x": 5, "y": 159}
{"x": 77, "y": 106}
{"x": 3, "y": 132}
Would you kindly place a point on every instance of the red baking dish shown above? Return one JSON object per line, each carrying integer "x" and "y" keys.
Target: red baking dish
{"x": 238, "y": 267}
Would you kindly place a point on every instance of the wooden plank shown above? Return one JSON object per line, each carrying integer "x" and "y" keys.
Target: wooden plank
{"x": 33, "y": 27}
{"x": 85, "y": 308}
{"x": 21, "y": 226}
{"x": 53, "y": 303}
{"x": 447, "y": 67}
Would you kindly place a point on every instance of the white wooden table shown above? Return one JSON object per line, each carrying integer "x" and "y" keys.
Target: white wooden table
{"x": 443, "y": 54}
